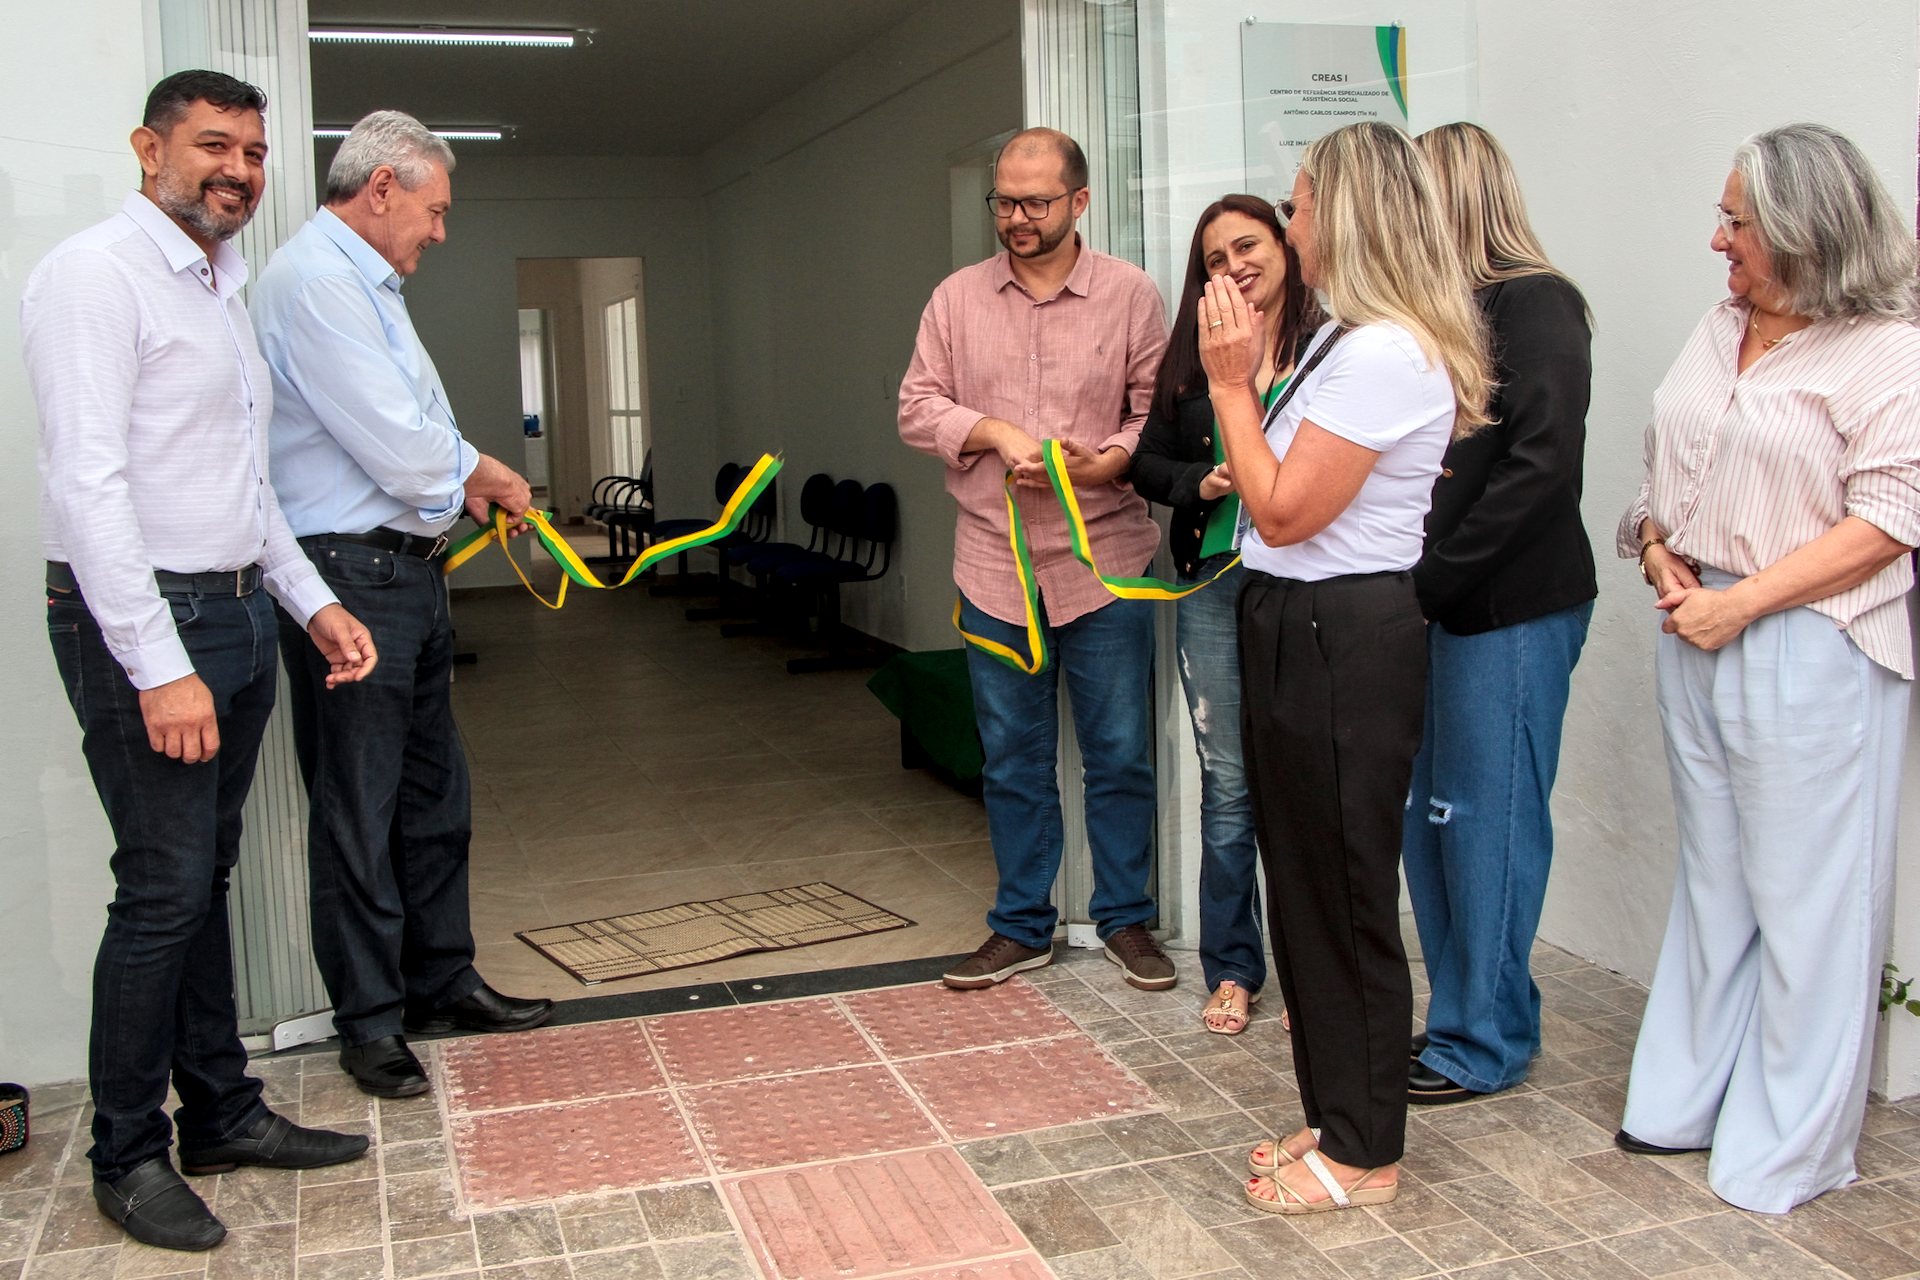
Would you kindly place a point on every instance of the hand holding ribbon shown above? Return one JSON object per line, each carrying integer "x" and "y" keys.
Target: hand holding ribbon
{"x": 574, "y": 568}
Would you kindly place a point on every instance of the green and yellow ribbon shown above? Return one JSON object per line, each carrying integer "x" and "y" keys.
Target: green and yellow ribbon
{"x": 1126, "y": 588}
{"x": 1036, "y": 658}
{"x": 573, "y": 567}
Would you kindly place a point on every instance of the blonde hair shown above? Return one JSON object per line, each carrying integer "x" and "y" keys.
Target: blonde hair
{"x": 1386, "y": 254}
{"x": 1483, "y": 202}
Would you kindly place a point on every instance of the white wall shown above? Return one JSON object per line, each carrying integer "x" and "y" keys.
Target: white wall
{"x": 1622, "y": 121}
{"x": 64, "y": 165}
{"x": 1623, "y": 149}
{"x": 828, "y": 228}
{"x": 552, "y": 285}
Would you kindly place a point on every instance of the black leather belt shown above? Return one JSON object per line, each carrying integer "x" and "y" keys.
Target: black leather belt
{"x": 401, "y": 544}
{"x": 220, "y": 582}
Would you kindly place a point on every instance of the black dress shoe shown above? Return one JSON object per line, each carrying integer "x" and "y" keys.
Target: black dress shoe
{"x": 274, "y": 1142}
{"x": 484, "y": 1010}
{"x": 1418, "y": 1045}
{"x": 385, "y": 1068}
{"x": 156, "y": 1206}
{"x": 1633, "y": 1146}
{"x": 1428, "y": 1088}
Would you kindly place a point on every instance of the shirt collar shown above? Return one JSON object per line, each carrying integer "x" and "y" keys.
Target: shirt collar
{"x": 1077, "y": 280}
{"x": 178, "y": 248}
{"x": 365, "y": 258}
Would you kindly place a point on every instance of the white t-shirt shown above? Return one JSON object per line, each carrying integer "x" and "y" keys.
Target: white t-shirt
{"x": 1377, "y": 389}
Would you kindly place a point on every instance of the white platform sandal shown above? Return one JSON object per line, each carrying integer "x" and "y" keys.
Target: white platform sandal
{"x": 1287, "y": 1201}
{"x": 1281, "y": 1156}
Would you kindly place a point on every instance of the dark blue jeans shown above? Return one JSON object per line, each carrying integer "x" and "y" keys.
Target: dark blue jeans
{"x": 163, "y": 980}
{"x": 389, "y": 799}
{"x": 1106, "y": 656}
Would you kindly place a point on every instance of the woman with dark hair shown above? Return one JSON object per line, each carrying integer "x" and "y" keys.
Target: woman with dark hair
{"x": 1181, "y": 462}
{"x": 1781, "y": 499}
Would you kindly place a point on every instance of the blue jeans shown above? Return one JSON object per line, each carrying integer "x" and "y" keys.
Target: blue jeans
{"x": 1209, "y": 639}
{"x": 163, "y": 979}
{"x": 1478, "y": 837}
{"x": 1106, "y": 656}
{"x": 390, "y": 802}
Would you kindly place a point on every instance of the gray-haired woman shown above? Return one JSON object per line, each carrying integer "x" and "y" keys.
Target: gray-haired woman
{"x": 1782, "y": 496}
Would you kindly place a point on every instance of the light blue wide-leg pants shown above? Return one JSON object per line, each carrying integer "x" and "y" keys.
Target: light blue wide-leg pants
{"x": 1785, "y": 750}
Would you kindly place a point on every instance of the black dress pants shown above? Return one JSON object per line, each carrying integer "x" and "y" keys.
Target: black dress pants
{"x": 1333, "y": 688}
{"x": 389, "y": 797}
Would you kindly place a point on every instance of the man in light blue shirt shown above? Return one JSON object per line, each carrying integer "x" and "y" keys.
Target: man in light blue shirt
{"x": 371, "y": 470}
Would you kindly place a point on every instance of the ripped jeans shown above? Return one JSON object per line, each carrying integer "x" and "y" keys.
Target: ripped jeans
{"x": 1209, "y": 643}
{"x": 1478, "y": 838}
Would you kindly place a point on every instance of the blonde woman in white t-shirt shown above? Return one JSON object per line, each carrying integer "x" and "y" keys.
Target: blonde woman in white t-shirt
{"x": 1336, "y": 484}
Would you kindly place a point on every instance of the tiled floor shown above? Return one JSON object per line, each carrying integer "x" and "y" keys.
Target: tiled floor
{"x": 625, "y": 758}
{"x": 1067, "y": 1125}
{"x": 1063, "y": 1125}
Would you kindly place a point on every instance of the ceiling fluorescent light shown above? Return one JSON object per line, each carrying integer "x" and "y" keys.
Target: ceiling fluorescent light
{"x": 519, "y": 37}
{"x": 451, "y": 135}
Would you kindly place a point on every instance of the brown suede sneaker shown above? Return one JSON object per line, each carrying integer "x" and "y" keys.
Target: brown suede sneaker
{"x": 1147, "y": 966}
{"x": 998, "y": 959}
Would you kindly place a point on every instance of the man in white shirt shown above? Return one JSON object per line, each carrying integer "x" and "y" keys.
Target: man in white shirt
{"x": 373, "y": 471}
{"x": 159, "y": 528}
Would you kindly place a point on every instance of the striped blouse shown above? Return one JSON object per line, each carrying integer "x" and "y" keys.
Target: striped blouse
{"x": 1745, "y": 468}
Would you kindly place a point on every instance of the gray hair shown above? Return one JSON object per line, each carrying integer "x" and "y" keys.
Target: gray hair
{"x": 391, "y": 138}
{"x": 1840, "y": 246}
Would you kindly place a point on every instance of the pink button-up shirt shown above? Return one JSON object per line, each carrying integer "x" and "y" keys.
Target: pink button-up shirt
{"x": 1746, "y": 468}
{"x": 1076, "y": 366}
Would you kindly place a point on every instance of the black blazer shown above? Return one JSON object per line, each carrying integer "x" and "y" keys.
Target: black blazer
{"x": 1169, "y": 463}
{"x": 1504, "y": 539}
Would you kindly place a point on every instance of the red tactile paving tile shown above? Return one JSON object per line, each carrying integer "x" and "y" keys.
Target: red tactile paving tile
{"x": 555, "y": 1064}
{"x": 756, "y": 1040}
{"x": 520, "y": 1157}
{"x": 910, "y": 1021}
{"x": 821, "y": 1115}
{"x": 919, "y": 1209}
{"x": 983, "y": 1092}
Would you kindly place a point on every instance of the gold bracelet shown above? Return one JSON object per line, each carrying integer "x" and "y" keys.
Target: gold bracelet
{"x": 1649, "y": 544}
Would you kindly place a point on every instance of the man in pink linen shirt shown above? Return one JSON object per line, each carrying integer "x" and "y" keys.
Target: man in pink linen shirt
{"x": 1049, "y": 340}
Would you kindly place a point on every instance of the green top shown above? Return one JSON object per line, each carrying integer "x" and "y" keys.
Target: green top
{"x": 1225, "y": 520}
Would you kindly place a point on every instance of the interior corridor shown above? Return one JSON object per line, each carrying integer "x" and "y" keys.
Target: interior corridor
{"x": 625, "y": 758}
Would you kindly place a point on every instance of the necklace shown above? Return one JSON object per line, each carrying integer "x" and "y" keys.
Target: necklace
{"x": 1766, "y": 343}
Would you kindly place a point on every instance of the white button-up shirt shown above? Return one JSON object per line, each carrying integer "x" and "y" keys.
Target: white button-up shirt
{"x": 153, "y": 403}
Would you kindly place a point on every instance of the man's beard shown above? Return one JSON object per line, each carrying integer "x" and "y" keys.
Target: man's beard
{"x": 189, "y": 204}
{"x": 1044, "y": 243}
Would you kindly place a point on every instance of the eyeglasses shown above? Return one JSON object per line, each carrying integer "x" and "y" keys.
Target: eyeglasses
{"x": 1035, "y": 207}
{"x": 1731, "y": 222}
{"x": 1286, "y": 209}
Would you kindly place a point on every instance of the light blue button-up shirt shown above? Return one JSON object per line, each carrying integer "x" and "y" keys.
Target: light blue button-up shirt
{"x": 362, "y": 434}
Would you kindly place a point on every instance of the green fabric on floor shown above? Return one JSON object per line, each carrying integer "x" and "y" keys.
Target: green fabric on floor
{"x": 932, "y": 695}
